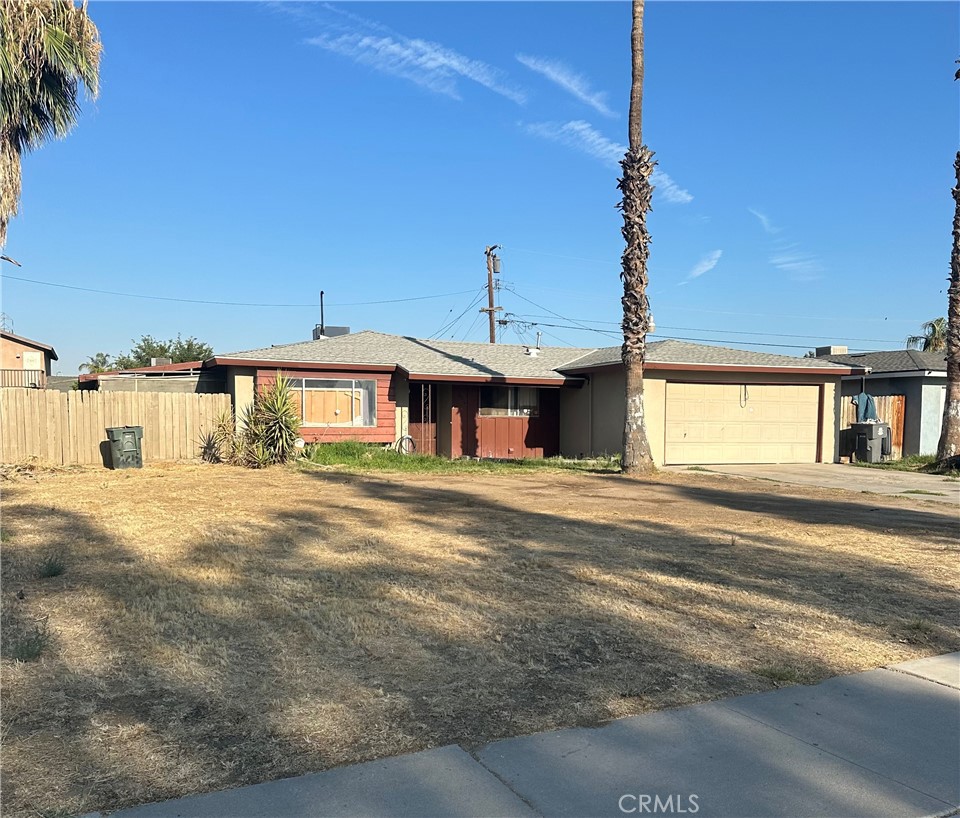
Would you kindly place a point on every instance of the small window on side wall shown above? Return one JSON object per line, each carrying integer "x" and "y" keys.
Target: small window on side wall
{"x": 509, "y": 401}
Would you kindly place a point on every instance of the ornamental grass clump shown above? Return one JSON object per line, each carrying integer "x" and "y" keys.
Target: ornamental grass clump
{"x": 265, "y": 434}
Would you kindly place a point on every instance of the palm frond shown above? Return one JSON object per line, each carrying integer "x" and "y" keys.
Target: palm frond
{"x": 48, "y": 50}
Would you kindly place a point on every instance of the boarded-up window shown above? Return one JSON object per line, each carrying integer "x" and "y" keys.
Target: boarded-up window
{"x": 336, "y": 402}
{"x": 509, "y": 401}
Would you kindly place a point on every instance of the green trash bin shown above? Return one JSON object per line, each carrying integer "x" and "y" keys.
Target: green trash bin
{"x": 125, "y": 450}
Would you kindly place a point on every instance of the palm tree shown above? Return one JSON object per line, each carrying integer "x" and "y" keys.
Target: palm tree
{"x": 949, "y": 446}
{"x": 635, "y": 186}
{"x": 934, "y": 338}
{"x": 96, "y": 363}
{"x": 47, "y": 49}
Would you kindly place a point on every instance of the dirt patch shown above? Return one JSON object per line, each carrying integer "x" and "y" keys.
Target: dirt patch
{"x": 214, "y": 626}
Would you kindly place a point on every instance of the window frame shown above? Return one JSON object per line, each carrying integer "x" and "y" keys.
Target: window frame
{"x": 514, "y": 409}
{"x": 367, "y": 388}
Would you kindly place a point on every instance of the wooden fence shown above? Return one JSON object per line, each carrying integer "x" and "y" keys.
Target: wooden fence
{"x": 70, "y": 427}
{"x": 889, "y": 410}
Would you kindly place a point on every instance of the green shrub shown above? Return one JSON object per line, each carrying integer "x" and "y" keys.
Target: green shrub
{"x": 266, "y": 434}
{"x": 52, "y": 565}
{"x": 27, "y": 646}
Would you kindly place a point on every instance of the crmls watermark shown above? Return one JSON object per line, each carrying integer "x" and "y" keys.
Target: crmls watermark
{"x": 644, "y": 803}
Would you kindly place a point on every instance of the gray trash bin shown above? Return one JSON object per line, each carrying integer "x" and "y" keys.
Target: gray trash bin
{"x": 125, "y": 448}
{"x": 870, "y": 441}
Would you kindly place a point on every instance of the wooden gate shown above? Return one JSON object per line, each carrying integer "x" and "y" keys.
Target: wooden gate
{"x": 890, "y": 409}
{"x": 423, "y": 417}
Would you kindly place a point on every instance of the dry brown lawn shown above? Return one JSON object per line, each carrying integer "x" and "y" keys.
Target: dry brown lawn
{"x": 215, "y": 626}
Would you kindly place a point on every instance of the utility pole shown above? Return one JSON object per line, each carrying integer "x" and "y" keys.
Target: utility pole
{"x": 493, "y": 266}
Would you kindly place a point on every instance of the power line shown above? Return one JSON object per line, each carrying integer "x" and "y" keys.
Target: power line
{"x": 450, "y": 325}
{"x": 541, "y": 307}
{"x": 726, "y": 331}
{"x": 657, "y": 335}
{"x": 661, "y": 337}
{"x": 476, "y": 318}
{"x": 227, "y": 303}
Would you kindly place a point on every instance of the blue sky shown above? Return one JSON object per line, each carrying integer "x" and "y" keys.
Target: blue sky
{"x": 261, "y": 152}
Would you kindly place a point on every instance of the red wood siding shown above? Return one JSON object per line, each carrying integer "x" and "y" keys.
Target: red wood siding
{"x": 504, "y": 437}
{"x": 383, "y": 432}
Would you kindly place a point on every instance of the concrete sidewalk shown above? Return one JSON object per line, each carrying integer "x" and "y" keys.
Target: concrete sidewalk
{"x": 927, "y": 487}
{"x": 881, "y": 743}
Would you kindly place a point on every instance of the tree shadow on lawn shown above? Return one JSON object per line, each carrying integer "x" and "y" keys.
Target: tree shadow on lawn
{"x": 329, "y": 634}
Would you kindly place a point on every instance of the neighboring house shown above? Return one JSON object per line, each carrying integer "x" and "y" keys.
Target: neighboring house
{"x": 710, "y": 405}
{"x": 915, "y": 381}
{"x": 703, "y": 404}
{"x": 183, "y": 377}
{"x": 23, "y": 362}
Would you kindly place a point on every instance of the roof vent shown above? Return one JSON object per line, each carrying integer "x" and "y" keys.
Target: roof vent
{"x": 533, "y": 352}
{"x": 326, "y": 331}
{"x": 822, "y": 352}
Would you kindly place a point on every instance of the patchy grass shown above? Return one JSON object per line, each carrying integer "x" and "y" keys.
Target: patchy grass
{"x": 922, "y": 463}
{"x": 234, "y": 626}
{"x": 26, "y": 643}
{"x": 921, "y": 625}
{"x": 51, "y": 565}
{"x": 780, "y": 674}
{"x": 353, "y": 455}
{"x": 923, "y": 491}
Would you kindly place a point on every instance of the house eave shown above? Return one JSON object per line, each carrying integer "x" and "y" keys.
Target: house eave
{"x": 496, "y": 379}
{"x": 318, "y": 366}
{"x": 908, "y": 373}
{"x": 687, "y": 367}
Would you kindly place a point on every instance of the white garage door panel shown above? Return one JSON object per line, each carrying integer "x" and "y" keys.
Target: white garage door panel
{"x": 720, "y": 423}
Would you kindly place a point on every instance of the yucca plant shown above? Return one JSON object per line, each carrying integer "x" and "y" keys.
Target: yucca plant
{"x": 277, "y": 421}
{"x": 266, "y": 433}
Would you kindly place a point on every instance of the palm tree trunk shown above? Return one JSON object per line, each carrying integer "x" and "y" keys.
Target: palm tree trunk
{"x": 636, "y": 189}
{"x": 950, "y": 435}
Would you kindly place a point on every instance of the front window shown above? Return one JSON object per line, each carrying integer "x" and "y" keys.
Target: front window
{"x": 509, "y": 401}
{"x": 336, "y": 402}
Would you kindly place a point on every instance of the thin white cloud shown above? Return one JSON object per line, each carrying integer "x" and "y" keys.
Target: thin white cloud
{"x": 789, "y": 257}
{"x": 582, "y": 136}
{"x": 569, "y": 80}
{"x": 706, "y": 264}
{"x": 422, "y": 62}
{"x": 765, "y": 222}
{"x": 800, "y": 265}
{"x": 669, "y": 189}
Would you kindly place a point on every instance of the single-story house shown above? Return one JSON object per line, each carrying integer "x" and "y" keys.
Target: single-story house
{"x": 704, "y": 404}
{"x": 915, "y": 383}
{"x": 24, "y": 362}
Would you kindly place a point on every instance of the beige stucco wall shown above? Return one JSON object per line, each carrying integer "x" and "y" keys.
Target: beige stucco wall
{"x": 593, "y": 422}
{"x": 574, "y": 421}
{"x": 240, "y": 385}
{"x": 11, "y": 355}
{"x": 401, "y": 387}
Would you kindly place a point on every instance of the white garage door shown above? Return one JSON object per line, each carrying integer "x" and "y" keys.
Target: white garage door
{"x": 757, "y": 423}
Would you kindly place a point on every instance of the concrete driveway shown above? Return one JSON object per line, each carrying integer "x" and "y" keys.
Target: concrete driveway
{"x": 852, "y": 478}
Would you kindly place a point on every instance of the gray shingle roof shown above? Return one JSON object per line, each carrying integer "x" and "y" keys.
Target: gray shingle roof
{"x": 682, "y": 352}
{"x": 895, "y": 360}
{"x": 422, "y": 357}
